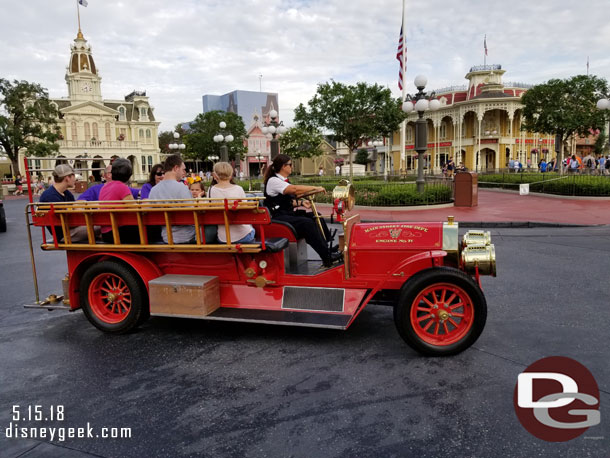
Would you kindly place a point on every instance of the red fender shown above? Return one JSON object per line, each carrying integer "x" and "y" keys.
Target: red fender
{"x": 417, "y": 263}
{"x": 79, "y": 261}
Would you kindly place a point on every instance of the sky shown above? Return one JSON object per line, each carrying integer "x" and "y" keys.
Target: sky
{"x": 182, "y": 49}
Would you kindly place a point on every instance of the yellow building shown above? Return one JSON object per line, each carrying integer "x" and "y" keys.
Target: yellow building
{"x": 478, "y": 124}
{"x": 93, "y": 130}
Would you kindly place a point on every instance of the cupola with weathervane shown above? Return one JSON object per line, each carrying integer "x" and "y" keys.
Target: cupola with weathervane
{"x": 82, "y": 75}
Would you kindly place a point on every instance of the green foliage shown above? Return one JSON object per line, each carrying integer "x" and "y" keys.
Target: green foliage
{"x": 374, "y": 192}
{"x": 27, "y": 120}
{"x": 362, "y": 157}
{"x": 601, "y": 144}
{"x": 199, "y": 139}
{"x": 550, "y": 183}
{"x": 165, "y": 138}
{"x": 351, "y": 112}
{"x": 564, "y": 107}
{"x": 299, "y": 142}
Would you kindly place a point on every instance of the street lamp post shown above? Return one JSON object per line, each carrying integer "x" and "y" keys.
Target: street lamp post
{"x": 421, "y": 102}
{"x": 604, "y": 105}
{"x": 177, "y": 147}
{"x": 226, "y": 138}
{"x": 259, "y": 157}
{"x": 374, "y": 144}
{"x": 273, "y": 128}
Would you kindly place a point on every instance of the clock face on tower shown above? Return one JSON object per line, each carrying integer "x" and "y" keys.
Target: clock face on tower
{"x": 86, "y": 87}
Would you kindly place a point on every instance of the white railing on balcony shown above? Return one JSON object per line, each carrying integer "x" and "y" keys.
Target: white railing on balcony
{"x": 98, "y": 144}
{"x": 447, "y": 89}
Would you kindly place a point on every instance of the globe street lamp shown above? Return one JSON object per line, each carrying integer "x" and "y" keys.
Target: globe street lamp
{"x": 177, "y": 147}
{"x": 226, "y": 138}
{"x": 604, "y": 105}
{"x": 272, "y": 129}
{"x": 420, "y": 102}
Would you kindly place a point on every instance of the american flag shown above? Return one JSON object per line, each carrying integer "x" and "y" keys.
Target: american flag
{"x": 83, "y": 2}
{"x": 401, "y": 43}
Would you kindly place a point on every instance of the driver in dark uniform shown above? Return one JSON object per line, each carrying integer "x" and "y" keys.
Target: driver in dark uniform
{"x": 281, "y": 200}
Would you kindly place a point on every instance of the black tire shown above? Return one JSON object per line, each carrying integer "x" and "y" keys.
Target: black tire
{"x": 447, "y": 334}
{"x": 2, "y": 220}
{"x": 127, "y": 308}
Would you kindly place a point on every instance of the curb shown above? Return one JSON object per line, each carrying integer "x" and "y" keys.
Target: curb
{"x": 503, "y": 224}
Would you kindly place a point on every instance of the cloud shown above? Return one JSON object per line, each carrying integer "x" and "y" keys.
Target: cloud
{"x": 178, "y": 51}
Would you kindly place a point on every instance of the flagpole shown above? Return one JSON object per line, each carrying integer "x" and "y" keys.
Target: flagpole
{"x": 485, "y": 51}
{"x": 78, "y": 14}
{"x": 403, "y": 158}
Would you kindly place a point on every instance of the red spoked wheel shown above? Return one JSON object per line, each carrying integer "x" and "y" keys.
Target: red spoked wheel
{"x": 110, "y": 298}
{"x": 440, "y": 312}
{"x": 113, "y": 297}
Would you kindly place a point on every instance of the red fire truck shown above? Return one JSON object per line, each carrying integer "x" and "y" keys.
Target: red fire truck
{"x": 423, "y": 270}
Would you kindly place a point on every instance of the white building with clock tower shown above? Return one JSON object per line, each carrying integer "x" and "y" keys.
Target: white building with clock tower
{"x": 94, "y": 131}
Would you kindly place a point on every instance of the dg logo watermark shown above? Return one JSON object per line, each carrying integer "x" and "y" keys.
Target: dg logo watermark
{"x": 557, "y": 399}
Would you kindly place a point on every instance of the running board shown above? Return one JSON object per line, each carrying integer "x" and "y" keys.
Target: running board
{"x": 281, "y": 317}
{"x": 53, "y": 302}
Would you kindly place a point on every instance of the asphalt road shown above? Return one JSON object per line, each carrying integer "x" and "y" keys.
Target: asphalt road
{"x": 196, "y": 388}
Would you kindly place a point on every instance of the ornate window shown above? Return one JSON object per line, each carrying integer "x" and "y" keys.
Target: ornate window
{"x": 74, "y": 131}
{"x": 148, "y": 136}
{"x": 96, "y": 134}
{"x": 121, "y": 113}
{"x": 141, "y": 134}
{"x": 107, "y": 132}
{"x": 143, "y": 114}
{"x": 409, "y": 134}
{"x": 87, "y": 132}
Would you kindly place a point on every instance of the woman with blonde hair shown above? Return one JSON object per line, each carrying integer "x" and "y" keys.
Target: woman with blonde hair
{"x": 224, "y": 189}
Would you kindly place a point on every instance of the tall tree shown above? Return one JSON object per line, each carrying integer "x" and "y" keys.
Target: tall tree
{"x": 28, "y": 120}
{"x": 351, "y": 112}
{"x": 165, "y": 138}
{"x": 199, "y": 139}
{"x": 301, "y": 143}
{"x": 564, "y": 107}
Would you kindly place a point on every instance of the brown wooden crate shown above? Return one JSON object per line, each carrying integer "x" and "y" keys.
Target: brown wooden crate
{"x": 184, "y": 295}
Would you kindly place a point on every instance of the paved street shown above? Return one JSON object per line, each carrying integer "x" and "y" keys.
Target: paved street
{"x": 197, "y": 388}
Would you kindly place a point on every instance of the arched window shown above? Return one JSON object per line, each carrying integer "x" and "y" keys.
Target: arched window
{"x": 73, "y": 131}
{"x": 409, "y": 134}
{"x": 121, "y": 113}
{"x": 141, "y": 134}
{"x": 443, "y": 131}
{"x": 148, "y": 136}
{"x": 87, "y": 131}
{"x": 143, "y": 114}
{"x": 150, "y": 159}
{"x": 96, "y": 134}
{"x": 107, "y": 132}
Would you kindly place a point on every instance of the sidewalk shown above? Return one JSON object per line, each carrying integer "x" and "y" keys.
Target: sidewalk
{"x": 496, "y": 208}
{"x": 500, "y": 208}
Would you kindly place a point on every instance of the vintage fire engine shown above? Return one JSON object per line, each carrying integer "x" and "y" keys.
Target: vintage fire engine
{"x": 423, "y": 270}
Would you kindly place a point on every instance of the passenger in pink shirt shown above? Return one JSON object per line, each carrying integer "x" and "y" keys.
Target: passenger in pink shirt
{"x": 117, "y": 189}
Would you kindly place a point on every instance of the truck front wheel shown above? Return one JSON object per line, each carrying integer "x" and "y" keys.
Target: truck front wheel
{"x": 113, "y": 298}
{"x": 440, "y": 312}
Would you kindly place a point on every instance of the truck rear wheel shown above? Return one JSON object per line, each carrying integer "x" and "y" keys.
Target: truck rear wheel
{"x": 2, "y": 220}
{"x": 440, "y": 312}
{"x": 113, "y": 297}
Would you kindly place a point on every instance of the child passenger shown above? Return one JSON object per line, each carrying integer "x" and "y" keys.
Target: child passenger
{"x": 196, "y": 187}
{"x": 224, "y": 189}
